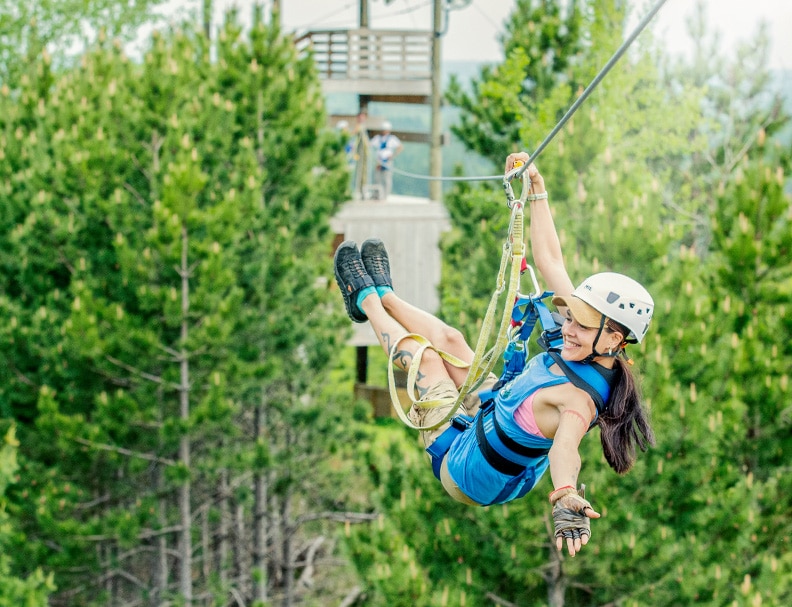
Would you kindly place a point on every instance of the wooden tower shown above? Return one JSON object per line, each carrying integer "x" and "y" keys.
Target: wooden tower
{"x": 388, "y": 66}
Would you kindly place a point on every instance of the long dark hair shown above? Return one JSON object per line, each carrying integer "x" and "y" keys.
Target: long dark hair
{"x": 625, "y": 423}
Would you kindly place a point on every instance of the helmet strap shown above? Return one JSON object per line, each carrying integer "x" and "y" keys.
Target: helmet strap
{"x": 623, "y": 353}
{"x": 594, "y": 354}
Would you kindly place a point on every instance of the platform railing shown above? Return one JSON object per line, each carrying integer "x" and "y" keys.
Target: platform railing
{"x": 364, "y": 54}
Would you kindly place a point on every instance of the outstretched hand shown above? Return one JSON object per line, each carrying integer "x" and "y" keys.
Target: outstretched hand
{"x": 571, "y": 515}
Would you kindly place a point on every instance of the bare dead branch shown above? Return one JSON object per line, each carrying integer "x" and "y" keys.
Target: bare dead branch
{"x": 129, "y": 188}
{"x": 306, "y": 577}
{"x": 143, "y": 535}
{"x": 340, "y": 517}
{"x": 122, "y": 451}
{"x": 134, "y": 370}
{"x": 351, "y": 597}
{"x": 19, "y": 375}
{"x": 499, "y": 601}
{"x": 237, "y": 597}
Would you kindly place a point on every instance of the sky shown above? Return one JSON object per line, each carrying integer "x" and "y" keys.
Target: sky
{"x": 473, "y": 31}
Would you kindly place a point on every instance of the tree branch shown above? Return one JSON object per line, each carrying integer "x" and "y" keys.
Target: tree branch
{"x": 148, "y": 376}
{"x": 306, "y": 577}
{"x": 129, "y": 188}
{"x": 340, "y": 517}
{"x": 144, "y": 535}
{"x": 499, "y": 601}
{"x": 351, "y": 597}
{"x": 122, "y": 451}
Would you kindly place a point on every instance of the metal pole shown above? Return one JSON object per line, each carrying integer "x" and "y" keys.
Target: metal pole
{"x": 436, "y": 150}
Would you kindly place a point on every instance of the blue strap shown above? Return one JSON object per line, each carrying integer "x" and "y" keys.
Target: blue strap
{"x": 585, "y": 377}
{"x": 526, "y": 310}
{"x": 529, "y": 309}
{"x": 592, "y": 377}
{"x": 438, "y": 449}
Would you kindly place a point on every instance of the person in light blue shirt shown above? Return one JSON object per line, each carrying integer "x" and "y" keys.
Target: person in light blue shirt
{"x": 536, "y": 421}
{"x": 386, "y": 147}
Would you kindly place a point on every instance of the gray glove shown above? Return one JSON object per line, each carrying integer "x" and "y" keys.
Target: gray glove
{"x": 568, "y": 513}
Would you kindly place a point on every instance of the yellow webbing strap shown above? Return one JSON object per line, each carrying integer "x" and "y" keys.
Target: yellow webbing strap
{"x": 483, "y": 362}
{"x": 412, "y": 372}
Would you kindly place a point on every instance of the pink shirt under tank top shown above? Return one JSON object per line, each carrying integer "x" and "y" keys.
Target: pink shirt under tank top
{"x": 524, "y": 416}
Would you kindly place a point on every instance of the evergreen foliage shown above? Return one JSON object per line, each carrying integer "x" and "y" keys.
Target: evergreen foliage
{"x": 671, "y": 176}
{"x": 35, "y": 589}
{"x": 166, "y": 240}
{"x": 57, "y": 27}
{"x": 173, "y": 359}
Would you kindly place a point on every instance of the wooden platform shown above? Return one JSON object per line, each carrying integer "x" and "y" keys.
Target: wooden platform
{"x": 380, "y": 399}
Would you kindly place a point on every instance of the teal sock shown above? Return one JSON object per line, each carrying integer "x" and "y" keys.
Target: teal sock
{"x": 382, "y": 290}
{"x": 363, "y": 294}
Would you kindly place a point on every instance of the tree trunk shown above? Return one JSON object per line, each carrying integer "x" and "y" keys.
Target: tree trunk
{"x": 555, "y": 578}
{"x": 207, "y": 19}
{"x": 222, "y": 547}
{"x": 206, "y": 545}
{"x": 288, "y": 549}
{"x": 239, "y": 544}
{"x": 276, "y": 556}
{"x": 161, "y": 575}
{"x": 185, "y": 514}
{"x": 259, "y": 515}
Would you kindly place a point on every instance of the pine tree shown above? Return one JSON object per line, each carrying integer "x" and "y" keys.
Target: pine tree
{"x": 542, "y": 44}
{"x": 36, "y": 588}
{"x": 28, "y": 28}
{"x": 168, "y": 237}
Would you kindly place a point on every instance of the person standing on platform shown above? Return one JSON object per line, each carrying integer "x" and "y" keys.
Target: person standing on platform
{"x": 361, "y": 154}
{"x": 386, "y": 147}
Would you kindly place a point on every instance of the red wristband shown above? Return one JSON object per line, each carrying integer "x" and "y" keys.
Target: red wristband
{"x": 550, "y": 496}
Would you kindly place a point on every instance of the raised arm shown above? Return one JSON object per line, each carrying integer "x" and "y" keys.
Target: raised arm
{"x": 545, "y": 245}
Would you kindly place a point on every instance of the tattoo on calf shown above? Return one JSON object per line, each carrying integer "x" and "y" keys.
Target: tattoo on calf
{"x": 403, "y": 358}
{"x": 418, "y": 380}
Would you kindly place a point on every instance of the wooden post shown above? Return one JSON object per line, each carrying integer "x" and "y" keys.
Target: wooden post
{"x": 362, "y": 364}
{"x": 436, "y": 150}
{"x": 364, "y": 14}
{"x": 207, "y": 19}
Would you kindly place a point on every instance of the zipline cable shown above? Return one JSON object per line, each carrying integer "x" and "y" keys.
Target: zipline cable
{"x": 597, "y": 79}
{"x": 572, "y": 109}
{"x": 456, "y": 178}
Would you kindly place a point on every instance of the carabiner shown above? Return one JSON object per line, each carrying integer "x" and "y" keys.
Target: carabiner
{"x": 507, "y": 187}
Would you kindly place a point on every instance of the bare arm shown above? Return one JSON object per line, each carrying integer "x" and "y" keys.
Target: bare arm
{"x": 545, "y": 245}
{"x": 574, "y": 420}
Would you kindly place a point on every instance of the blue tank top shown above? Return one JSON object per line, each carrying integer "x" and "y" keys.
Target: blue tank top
{"x": 466, "y": 463}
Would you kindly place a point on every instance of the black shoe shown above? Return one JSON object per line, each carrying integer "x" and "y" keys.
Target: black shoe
{"x": 351, "y": 277}
{"x": 375, "y": 260}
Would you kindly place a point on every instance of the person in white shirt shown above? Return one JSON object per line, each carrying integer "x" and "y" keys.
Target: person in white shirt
{"x": 386, "y": 147}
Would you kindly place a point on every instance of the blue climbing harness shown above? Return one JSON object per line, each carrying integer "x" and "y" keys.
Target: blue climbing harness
{"x": 499, "y": 450}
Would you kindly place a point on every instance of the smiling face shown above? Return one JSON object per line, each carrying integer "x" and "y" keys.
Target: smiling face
{"x": 579, "y": 340}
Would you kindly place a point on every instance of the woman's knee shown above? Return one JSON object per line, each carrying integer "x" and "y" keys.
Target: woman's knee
{"x": 450, "y": 339}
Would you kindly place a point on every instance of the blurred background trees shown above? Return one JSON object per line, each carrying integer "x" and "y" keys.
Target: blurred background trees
{"x": 172, "y": 350}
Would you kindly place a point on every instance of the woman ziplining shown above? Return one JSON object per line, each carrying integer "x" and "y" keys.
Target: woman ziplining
{"x": 506, "y": 437}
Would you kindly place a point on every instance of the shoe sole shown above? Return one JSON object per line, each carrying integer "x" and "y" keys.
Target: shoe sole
{"x": 351, "y": 306}
{"x": 385, "y": 279}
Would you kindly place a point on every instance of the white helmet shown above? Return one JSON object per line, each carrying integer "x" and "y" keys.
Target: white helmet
{"x": 618, "y": 297}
